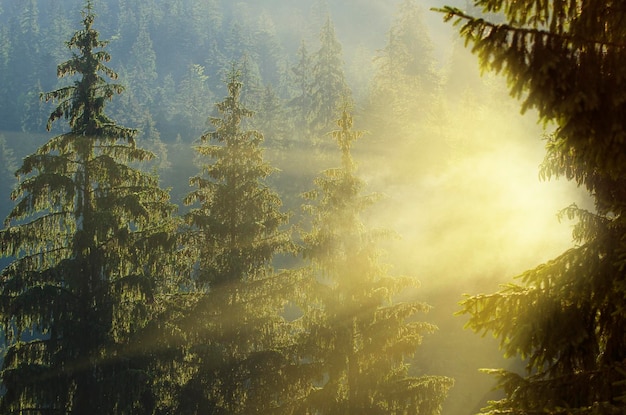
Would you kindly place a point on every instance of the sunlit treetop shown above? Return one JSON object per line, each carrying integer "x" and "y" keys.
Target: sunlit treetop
{"x": 82, "y": 103}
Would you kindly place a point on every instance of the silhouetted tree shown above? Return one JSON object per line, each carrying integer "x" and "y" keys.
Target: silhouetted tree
{"x": 90, "y": 236}
{"x": 567, "y": 317}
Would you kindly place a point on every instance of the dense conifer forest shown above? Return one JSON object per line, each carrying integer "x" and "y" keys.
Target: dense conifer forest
{"x": 219, "y": 207}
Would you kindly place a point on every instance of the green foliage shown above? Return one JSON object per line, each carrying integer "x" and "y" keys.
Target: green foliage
{"x": 357, "y": 337}
{"x": 107, "y": 307}
{"x": 241, "y": 344}
{"x": 89, "y": 235}
{"x": 566, "y": 320}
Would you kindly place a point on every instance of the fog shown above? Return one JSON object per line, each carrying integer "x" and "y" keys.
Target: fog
{"x": 475, "y": 222}
{"x": 461, "y": 193}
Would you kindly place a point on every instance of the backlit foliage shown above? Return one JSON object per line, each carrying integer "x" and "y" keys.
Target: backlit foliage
{"x": 567, "y": 317}
{"x": 241, "y": 343}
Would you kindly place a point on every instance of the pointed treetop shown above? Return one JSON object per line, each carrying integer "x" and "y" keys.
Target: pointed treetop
{"x": 87, "y": 117}
{"x": 345, "y": 136}
{"x": 233, "y": 80}
{"x": 88, "y": 10}
{"x": 88, "y": 15}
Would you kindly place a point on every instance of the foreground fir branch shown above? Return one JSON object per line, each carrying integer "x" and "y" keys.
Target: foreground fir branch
{"x": 567, "y": 317}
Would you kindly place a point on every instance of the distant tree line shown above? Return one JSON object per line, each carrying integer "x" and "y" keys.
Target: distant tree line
{"x": 172, "y": 58}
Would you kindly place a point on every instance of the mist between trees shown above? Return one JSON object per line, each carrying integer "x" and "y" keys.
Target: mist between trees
{"x": 236, "y": 212}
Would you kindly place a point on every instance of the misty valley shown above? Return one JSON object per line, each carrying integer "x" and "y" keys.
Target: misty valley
{"x": 312, "y": 207}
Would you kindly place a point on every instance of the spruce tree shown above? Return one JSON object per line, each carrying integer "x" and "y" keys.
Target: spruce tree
{"x": 357, "y": 337}
{"x": 187, "y": 107}
{"x": 328, "y": 84}
{"x": 27, "y": 63}
{"x": 403, "y": 100}
{"x": 566, "y": 318}
{"x": 301, "y": 103}
{"x": 252, "y": 90}
{"x": 89, "y": 235}
{"x": 273, "y": 121}
{"x": 241, "y": 339}
{"x": 270, "y": 54}
{"x": 405, "y": 80}
{"x": 141, "y": 67}
{"x": 5, "y": 64}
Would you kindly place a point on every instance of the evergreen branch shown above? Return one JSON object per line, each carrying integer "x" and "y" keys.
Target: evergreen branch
{"x": 478, "y": 25}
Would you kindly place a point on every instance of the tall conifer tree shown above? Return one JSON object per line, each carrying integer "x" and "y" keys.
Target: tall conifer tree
{"x": 237, "y": 228}
{"x": 301, "y": 103}
{"x": 328, "y": 84}
{"x": 86, "y": 235}
{"x": 405, "y": 80}
{"x": 403, "y": 98}
{"x": 356, "y": 335}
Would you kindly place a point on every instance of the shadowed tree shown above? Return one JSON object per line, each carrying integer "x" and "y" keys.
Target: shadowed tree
{"x": 567, "y": 317}
{"x": 357, "y": 337}
{"x": 90, "y": 236}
